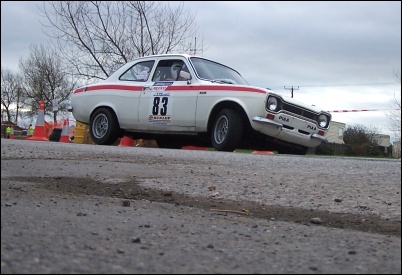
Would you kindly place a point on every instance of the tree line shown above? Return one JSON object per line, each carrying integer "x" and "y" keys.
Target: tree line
{"x": 90, "y": 40}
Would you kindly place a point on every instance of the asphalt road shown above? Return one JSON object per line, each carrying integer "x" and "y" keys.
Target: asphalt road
{"x": 76, "y": 208}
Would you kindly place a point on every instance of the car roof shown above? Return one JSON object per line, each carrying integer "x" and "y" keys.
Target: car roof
{"x": 169, "y": 55}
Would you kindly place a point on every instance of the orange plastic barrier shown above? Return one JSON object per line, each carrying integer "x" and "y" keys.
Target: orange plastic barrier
{"x": 126, "y": 141}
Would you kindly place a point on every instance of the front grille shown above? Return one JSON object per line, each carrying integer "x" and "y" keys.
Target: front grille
{"x": 286, "y": 107}
{"x": 299, "y": 111}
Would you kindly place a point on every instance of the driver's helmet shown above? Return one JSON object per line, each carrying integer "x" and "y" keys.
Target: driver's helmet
{"x": 175, "y": 69}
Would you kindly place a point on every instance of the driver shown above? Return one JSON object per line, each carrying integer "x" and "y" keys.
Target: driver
{"x": 175, "y": 69}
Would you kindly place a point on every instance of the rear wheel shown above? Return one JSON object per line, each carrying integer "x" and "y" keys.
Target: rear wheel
{"x": 227, "y": 130}
{"x": 104, "y": 127}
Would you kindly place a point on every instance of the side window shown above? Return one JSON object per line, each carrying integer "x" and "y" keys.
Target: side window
{"x": 168, "y": 70}
{"x": 139, "y": 72}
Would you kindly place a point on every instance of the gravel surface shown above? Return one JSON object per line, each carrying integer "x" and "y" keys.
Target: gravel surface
{"x": 75, "y": 208}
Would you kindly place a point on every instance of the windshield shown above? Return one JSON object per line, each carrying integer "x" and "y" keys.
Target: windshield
{"x": 216, "y": 72}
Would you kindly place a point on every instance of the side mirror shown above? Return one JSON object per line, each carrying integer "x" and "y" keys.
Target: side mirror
{"x": 185, "y": 76}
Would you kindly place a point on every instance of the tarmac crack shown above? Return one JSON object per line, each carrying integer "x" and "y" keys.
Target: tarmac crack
{"x": 132, "y": 190}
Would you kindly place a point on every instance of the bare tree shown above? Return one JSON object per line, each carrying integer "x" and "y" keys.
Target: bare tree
{"x": 358, "y": 134}
{"x": 96, "y": 37}
{"x": 12, "y": 94}
{"x": 45, "y": 78}
{"x": 394, "y": 115}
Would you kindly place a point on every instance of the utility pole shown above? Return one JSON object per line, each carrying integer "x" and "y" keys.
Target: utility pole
{"x": 291, "y": 89}
{"x": 193, "y": 51}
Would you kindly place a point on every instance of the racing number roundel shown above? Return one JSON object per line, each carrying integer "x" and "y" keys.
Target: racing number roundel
{"x": 160, "y": 108}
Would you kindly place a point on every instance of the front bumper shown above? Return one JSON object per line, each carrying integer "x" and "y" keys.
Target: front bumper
{"x": 295, "y": 130}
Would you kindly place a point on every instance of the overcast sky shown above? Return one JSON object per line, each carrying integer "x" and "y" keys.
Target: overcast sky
{"x": 337, "y": 55}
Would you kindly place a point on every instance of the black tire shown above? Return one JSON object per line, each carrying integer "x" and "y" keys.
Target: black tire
{"x": 227, "y": 130}
{"x": 104, "y": 127}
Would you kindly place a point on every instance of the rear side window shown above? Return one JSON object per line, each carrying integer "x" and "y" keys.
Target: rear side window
{"x": 139, "y": 72}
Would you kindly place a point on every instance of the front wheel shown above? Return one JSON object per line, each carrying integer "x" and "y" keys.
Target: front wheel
{"x": 227, "y": 130}
{"x": 104, "y": 127}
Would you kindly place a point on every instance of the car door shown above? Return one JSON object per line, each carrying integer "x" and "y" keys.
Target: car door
{"x": 168, "y": 102}
{"x": 128, "y": 92}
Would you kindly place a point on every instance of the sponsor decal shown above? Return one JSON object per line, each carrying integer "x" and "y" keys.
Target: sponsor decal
{"x": 163, "y": 83}
{"x": 158, "y": 88}
{"x": 162, "y": 94}
{"x": 160, "y": 119}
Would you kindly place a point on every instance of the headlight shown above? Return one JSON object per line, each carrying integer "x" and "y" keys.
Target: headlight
{"x": 272, "y": 103}
{"x": 323, "y": 121}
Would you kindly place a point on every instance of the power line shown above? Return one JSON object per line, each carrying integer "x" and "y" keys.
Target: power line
{"x": 361, "y": 84}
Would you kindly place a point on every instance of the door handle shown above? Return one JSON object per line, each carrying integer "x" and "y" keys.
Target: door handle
{"x": 144, "y": 88}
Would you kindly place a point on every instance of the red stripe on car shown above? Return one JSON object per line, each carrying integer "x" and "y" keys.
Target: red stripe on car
{"x": 171, "y": 88}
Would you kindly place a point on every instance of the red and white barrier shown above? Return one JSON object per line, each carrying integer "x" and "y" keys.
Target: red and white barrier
{"x": 355, "y": 110}
{"x": 352, "y": 111}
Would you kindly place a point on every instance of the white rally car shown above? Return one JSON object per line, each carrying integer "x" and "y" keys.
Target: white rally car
{"x": 179, "y": 99}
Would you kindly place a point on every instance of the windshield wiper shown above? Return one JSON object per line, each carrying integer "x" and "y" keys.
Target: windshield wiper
{"x": 223, "y": 80}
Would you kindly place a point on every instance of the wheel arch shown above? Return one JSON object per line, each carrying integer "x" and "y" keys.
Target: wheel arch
{"x": 228, "y": 105}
